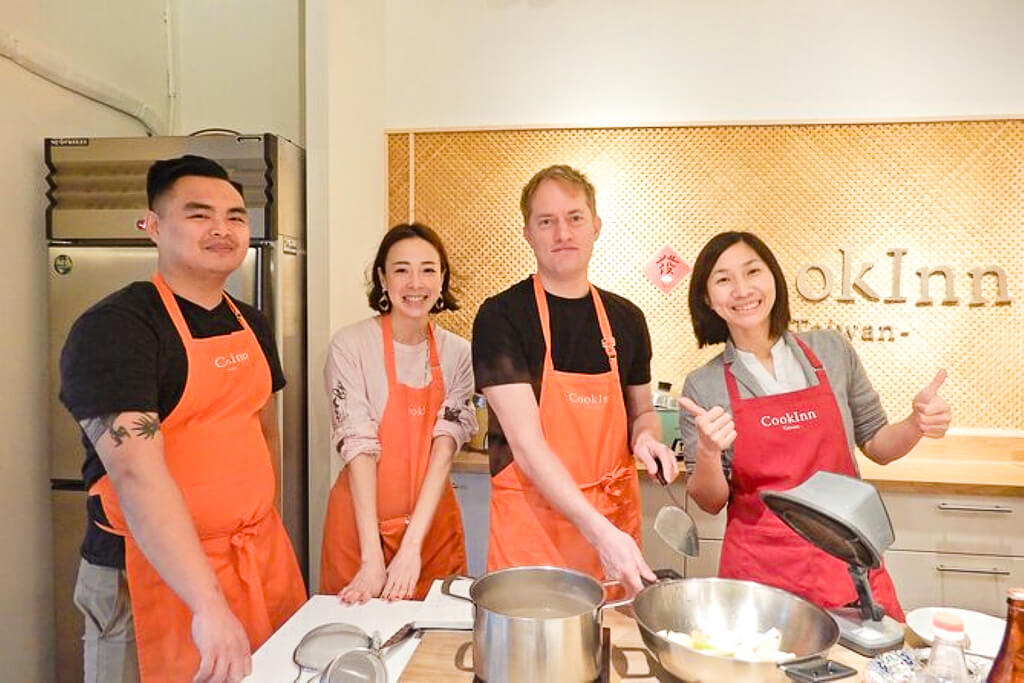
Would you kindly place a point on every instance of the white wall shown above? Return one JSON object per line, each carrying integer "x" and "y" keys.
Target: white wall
{"x": 239, "y": 66}
{"x": 345, "y": 193}
{"x": 602, "y": 62}
{"x": 93, "y": 42}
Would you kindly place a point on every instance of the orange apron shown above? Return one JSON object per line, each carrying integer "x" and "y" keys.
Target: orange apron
{"x": 583, "y": 418}
{"x": 406, "y": 433}
{"x": 216, "y": 453}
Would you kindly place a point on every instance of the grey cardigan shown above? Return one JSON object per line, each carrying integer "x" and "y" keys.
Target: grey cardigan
{"x": 858, "y": 402}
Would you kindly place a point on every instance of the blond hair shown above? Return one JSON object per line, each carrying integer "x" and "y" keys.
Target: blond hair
{"x": 563, "y": 174}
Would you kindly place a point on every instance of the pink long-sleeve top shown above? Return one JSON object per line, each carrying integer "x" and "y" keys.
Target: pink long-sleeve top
{"x": 357, "y": 385}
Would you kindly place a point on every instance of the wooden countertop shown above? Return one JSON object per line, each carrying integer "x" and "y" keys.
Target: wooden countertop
{"x": 989, "y": 464}
{"x": 473, "y": 462}
{"x": 448, "y": 655}
{"x": 983, "y": 464}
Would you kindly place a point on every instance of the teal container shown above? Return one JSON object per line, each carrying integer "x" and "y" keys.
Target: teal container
{"x": 669, "y": 425}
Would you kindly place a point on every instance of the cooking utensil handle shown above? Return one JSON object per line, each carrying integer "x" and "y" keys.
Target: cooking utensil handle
{"x": 659, "y": 472}
{"x": 446, "y": 586}
{"x": 400, "y": 635}
{"x": 995, "y": 571}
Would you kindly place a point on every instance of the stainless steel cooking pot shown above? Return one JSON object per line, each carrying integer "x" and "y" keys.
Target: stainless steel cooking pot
{"x": 740, "y": 606}
{"x": 537, "y": 624}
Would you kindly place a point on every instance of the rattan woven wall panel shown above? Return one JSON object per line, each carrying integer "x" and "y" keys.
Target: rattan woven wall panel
{"x": 949, "y": 193}
{"x": 399, "y": 176}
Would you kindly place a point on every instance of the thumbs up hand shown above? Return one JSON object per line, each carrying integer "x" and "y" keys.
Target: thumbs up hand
{"x": 931, "y": 412}
{"x": 715, "y": 428}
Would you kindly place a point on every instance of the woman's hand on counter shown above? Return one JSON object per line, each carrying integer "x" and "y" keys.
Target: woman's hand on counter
{"x": 366, "y": 584}
{"x": 402, "y": 574}
{"x": 932, "y": 414}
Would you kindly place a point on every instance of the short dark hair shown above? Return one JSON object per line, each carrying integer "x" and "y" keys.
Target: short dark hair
{"x": 404, "y": 231}
{"x": 708, "y": 326}
{"x": 164, "y": 173}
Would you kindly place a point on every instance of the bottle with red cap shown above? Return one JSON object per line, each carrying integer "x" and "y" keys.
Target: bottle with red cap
{"x": 946, "y": 663}
{"x": 1008, "y": 666}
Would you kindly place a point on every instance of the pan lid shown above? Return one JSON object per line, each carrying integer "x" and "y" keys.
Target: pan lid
{"x": 842, "y": 515}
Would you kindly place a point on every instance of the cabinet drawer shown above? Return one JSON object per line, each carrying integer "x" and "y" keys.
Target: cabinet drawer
{"x": 977, "y": 582}
{"x": 706, "y": 563}
{"x": 708, "y": 526}
{"x": 954, "y": 523}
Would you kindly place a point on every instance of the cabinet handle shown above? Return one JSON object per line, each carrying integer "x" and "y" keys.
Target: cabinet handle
{"x": 995, "y": 571}
{"x": 960, "y": 507}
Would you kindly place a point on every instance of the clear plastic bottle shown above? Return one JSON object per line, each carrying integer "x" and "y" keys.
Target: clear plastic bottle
{"x": 946, "y": 663}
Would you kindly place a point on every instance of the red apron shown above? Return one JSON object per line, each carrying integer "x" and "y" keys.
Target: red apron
{"x": 583, "y": 418}
{"x": 405, "y": 434}
{"x": 216, "y": 453}
{"x": 758, "y": 546}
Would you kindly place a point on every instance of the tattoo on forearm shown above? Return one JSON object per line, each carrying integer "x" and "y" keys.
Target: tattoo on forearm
{"x": 146, "y": 426}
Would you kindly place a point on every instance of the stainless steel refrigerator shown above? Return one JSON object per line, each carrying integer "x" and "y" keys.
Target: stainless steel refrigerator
{"x": 97, "y": 194}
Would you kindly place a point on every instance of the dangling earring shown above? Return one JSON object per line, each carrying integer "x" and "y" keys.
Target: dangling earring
{"x": 439, "y": 304}
{"x": 384, "y": 303}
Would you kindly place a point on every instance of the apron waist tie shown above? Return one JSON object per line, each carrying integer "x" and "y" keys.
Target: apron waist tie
{"x": 241, "y": 544}
{"x": 613, "y": 483}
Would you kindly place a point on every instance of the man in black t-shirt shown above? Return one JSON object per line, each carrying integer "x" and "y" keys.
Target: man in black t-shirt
{"x": 565, "y": 368}
{"x": 173, "y": 384}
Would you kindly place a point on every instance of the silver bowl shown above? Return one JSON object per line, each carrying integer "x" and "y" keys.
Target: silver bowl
{"x": 742, "y": 606}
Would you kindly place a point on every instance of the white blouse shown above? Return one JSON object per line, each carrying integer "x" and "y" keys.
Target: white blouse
{"x": 357, "y": 385}
{"x": 789, "y": 376}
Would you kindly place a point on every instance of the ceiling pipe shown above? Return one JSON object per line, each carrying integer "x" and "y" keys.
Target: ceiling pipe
{"x": 60, "y": 74}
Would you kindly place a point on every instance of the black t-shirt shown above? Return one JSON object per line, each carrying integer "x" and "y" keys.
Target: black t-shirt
{"x": 124, "y": 354}
{"x": 508, "y": 346}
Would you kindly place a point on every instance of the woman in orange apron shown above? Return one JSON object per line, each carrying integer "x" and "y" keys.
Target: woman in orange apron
{"x": 584, "y": 421}
{"x": 215, "y": 451}
{"x": 400, "y": 389}
{"x": 804, "y": 401}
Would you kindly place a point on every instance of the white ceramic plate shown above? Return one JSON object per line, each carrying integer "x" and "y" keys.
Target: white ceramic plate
{"x": 984, "y": 631}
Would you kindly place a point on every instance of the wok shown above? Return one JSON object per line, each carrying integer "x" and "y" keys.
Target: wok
{"x": 742, "y": 606}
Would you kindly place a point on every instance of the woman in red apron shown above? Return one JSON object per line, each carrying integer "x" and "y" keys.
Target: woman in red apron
{"x": 400, "y": 389}
{"x": 787, "y": 407}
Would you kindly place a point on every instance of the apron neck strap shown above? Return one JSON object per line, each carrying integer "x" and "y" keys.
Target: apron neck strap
{"x": 607, "y": 339}
{"x": 389, "y": 351}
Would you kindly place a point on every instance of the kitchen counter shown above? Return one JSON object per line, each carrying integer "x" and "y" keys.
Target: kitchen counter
{"x": 966, "y": 464}
{"x": 448, "y": 656}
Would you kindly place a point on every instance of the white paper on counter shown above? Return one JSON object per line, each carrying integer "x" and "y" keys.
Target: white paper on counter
{"x": 272, "y": 662}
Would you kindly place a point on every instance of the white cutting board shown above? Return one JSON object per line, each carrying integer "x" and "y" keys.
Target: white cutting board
{"x": 272, "y": 662}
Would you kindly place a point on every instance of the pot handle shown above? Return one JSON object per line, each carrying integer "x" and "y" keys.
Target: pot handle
{"x": 446, "y": 586}
{"x": 605, "y": 585}
{"x": 666, "y": 574}
{"x": 815, "y": 668}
